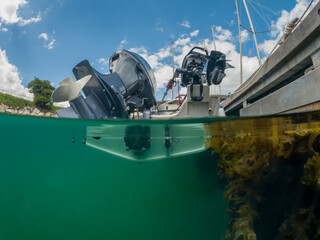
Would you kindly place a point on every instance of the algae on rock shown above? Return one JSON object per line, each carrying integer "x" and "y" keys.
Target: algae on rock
{"x": 272, "y": 166}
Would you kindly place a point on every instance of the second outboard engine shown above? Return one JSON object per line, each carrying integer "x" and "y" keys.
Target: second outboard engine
{"x": 195, "y": 63}
{"x": 199, "y": 68}
{"x": 130, "y": 85}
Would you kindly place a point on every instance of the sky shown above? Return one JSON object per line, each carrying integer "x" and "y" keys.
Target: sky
{"x": 46, "y": 39}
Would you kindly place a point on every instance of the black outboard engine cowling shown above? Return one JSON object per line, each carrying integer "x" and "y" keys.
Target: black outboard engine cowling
{"x": 130, "y": 85}
{"x": 193, "y": 65}
{"x": 199, "y": 67}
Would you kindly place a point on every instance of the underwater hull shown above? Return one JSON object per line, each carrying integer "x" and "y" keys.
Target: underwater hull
{"x": 54, "y": 185}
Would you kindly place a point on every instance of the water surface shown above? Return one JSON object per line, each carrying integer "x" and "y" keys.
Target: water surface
{"x": 226, "y": 178}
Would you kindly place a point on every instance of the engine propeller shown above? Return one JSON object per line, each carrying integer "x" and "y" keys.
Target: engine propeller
{"x": 69, "y": 89}
{"x": 215, "y": 77}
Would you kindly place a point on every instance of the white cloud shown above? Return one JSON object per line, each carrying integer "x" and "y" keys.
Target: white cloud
{"x": 194, "y": 33}
{"x": 164, "y": 52}
{"x": 182, "y": 41}
{"x": 10, "y": 80}
{"x": 185, "y": 23}
{"x": 267, "y": 46}
{"x": 244, "y": 36}
{"x": 24, "y": 22}
{"x": 103, "y": 61}
{"x": 49, "y": 41}
{"x": 123, "y": 43}
{"x": 223, "y": 34}
{"x": 160, "y": 29}
{"x": 9, "y": 13}
{"x": 231, "y": 23}
{"x": 44, "y": 36}
{"x": 4, "y": 29}
{"x": 51, "y": 44}
{"x": 103, "y": 64}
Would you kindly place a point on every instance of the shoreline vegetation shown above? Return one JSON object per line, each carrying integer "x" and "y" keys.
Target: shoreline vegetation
{"x": 14, "y": 105}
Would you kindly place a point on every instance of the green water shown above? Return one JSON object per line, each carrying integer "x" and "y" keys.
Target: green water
{"x": 54, "y": 185}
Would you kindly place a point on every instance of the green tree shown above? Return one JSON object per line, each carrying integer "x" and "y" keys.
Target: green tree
{"x": 42, "y": 90}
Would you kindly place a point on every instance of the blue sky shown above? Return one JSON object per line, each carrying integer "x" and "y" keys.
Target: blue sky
{"x": 47, "y": 39}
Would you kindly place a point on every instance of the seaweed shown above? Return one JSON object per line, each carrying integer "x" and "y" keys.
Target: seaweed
{"x": 273, "y": 173}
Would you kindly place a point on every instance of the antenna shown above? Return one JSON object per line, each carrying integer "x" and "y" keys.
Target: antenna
{"x": 204, "y": 44}
{"x": 239, "y": 24}
{"x": 253, "y": 32}
{"x": 214, "y": 41}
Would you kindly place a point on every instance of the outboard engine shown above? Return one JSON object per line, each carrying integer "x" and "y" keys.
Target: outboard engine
{"x": 129, "y": 86}
{"x": 199, "y": 68}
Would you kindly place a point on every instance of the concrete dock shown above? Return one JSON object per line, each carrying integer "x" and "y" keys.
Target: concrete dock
{"x": 289, "y": 81}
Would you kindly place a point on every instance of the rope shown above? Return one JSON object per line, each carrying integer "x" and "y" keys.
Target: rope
{"x": 305, "y": 11}
{"x": 261, "y": 6}
{"x": 260, "y": 14}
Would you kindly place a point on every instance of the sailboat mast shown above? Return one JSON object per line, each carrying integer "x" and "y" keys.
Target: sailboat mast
{"x": 239, "y": 24}
{"x": 253, "y": 32}
{"x": 172, "y": 67}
